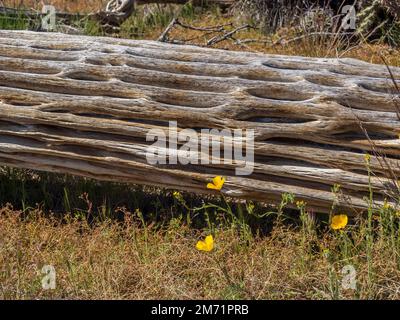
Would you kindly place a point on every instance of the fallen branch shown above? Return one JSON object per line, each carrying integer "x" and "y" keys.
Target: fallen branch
{"x": 84, "y": 106}
{"x": 218, "y": 28}
{"x": 227, "y": 35}
{"x": 163, "y": 37}
{"x": 175, "y": 22}
{"x": 284, "y": 41}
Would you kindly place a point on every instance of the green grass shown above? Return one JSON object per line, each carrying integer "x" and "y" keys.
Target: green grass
{"x": 117, "y": 241}
{"x": 94, "y": 200}
{"x": 18, "y": 22}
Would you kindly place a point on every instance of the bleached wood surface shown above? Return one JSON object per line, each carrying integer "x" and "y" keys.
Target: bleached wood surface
{"x": 83, "y": 105}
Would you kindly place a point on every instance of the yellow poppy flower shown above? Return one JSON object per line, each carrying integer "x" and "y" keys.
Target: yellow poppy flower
{"x": 217, "y": 183}
{"x": 177, "y": 195}
{"x": 339, "y": 221}
{"x": 206, "y": 245}
{"x": 300, "y": 204}
{"x": 386, "y": 205}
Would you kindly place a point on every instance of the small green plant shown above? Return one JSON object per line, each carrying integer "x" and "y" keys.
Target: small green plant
{"x": 91, "y": 27}
{"x": 14, "y": 22}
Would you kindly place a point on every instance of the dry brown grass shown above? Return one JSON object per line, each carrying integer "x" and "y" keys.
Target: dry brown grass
{"x": 113, "y": 260}
{"x": 308, "y": 46}
{"x": 61, "y": 5}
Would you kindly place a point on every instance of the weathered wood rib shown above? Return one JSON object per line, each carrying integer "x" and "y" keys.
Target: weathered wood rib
{"x": 83, "y": 105}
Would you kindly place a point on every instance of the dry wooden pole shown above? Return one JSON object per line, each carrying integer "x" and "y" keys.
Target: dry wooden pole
{"x": 83, "y": 105}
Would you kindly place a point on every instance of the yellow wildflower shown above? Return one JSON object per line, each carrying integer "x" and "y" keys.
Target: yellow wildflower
{"x": 339, "y": 221}
{"x": 300, "y": 204}
{"x": 217, "y": 183}
{"x": 177, "y": 195}
{"x": 250, "y": 206}
{"x": 336, "y": 188}
{"x": 386, "y": 205}
{"x": 325, "y": 252}
{"x": 367, "y": 157}
{"x": 206, "y": 245}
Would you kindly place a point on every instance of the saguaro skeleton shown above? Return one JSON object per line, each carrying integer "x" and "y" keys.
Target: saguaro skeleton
{"x": 83, "y": 105}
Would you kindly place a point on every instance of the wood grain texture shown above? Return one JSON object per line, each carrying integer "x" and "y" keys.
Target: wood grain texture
{"x": 83, "y": 105}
